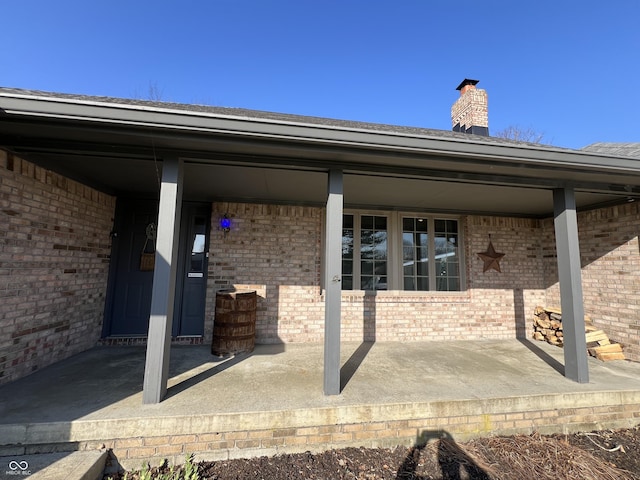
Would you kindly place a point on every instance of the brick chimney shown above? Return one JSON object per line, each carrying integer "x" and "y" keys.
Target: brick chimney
{"x": 469, "y": 114}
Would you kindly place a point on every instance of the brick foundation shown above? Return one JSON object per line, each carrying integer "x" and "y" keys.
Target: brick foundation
{"x": 250, "y": 443}
{"x": 221, "y": 437}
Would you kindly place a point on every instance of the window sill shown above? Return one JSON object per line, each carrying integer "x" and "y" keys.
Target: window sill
{"x": 390, "y": 296}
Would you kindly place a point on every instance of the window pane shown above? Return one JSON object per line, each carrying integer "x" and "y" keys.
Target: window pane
{"x": 415, "y": 251}
{"x": 366, "y": 248}
{"x": 448, "y": 263}
{"x": 198, "y": 243}
{"x": 441, "y": 268}
{"x": 366, "y": 268}
{"x": 423, "y": 283}
{"x": 373, "y": 252}
{"x": 380, "y": 246}
{"x": 347, "y": 267}
{"x": 366, "y": 283}
{"x": 422, "y": 239}
{"x": 198, "y": 258}
{"x": 347, "y": 252}
{"x": 452, "y": 267}
{"x": 347, "y": 243}
{"x": 423, "y": 268}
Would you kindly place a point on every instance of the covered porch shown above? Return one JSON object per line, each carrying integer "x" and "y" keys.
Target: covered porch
{"x": 272, "y": 401}
{"x": 192, "y": 153}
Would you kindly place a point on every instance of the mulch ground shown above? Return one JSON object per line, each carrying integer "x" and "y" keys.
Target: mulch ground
{"x": 602, "y": 455}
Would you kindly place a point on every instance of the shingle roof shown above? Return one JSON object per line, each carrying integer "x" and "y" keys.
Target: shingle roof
{"x": 273, "y": 116}
{"x": 615, "y": 149}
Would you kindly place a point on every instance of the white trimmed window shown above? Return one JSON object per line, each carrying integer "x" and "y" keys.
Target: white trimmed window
{"x": 395, "y": 251}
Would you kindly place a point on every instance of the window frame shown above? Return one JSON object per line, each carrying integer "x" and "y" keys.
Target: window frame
{"x": 356, "y": 273}
{"x": 395, "y": 272}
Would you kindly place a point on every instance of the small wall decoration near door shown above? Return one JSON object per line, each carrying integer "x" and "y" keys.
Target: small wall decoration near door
{"x": 491, "y": 258}
{"x": 148, "y": 255}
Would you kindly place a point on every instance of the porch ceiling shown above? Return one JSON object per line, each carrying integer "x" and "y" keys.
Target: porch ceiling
{"x": 118, "y": 149}
{"x": 221, "y": 182}
{"x": 224, "y": 182}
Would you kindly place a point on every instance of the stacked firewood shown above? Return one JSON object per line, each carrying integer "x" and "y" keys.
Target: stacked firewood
{"x": 547, "y": 326}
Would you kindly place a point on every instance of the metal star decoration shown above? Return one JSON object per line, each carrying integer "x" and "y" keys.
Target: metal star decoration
{"x": 491, "y": 258}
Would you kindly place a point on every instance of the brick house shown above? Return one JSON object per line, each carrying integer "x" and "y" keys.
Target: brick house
{"x": 347, "y": 231}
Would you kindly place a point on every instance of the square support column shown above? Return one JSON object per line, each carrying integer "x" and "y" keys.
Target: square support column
{"x": 333, "y": 283}
{"x": 576, "y": 365}
{"x": 156, "y": 371}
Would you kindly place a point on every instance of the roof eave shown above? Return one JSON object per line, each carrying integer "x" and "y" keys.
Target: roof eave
{"x": 116, "y": 114}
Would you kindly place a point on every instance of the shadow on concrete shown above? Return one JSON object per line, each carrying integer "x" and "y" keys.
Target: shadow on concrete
{"x": 368, "y": 339}
{"x": 351, "y": 366}
{"x": 455, "y": 463}
{"x": 519, "y": 313}
{"x": 542, "y": 355}
{"x": 105, "y": 376}
{"x": 227, "y": 363}
{"x": 202, "y": 376}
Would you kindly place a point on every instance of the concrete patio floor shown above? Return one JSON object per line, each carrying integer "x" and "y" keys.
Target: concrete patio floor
{"x": 96, "y": 397}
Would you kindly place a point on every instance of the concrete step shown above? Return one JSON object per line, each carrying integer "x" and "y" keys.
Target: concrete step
{"x": 86, "y": 465}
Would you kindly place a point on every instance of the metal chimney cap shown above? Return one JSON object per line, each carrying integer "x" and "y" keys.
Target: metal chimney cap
{"x": 465, "y": 82}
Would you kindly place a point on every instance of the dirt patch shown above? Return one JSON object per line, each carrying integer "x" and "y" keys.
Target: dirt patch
{"x": 602, "y": 455}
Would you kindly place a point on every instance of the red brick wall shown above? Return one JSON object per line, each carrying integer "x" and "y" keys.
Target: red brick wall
{"x": 54, "y": 260}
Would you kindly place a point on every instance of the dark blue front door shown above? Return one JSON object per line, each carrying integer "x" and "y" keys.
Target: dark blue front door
{"x": 191, "y": 286}
{"x": 131, "y": 279}
{"x": 129, "y": 300}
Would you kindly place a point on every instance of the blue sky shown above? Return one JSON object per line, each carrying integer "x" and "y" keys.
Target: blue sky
{"x": 566, "y": 68}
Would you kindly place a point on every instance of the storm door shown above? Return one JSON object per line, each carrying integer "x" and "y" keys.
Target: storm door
{"x": 131, "y": 275}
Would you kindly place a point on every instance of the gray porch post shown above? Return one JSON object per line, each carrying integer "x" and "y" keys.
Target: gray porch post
{"x": 156, "y": 371}
{"x": 332, "y": 284}
{"x": 568, "y": 250}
